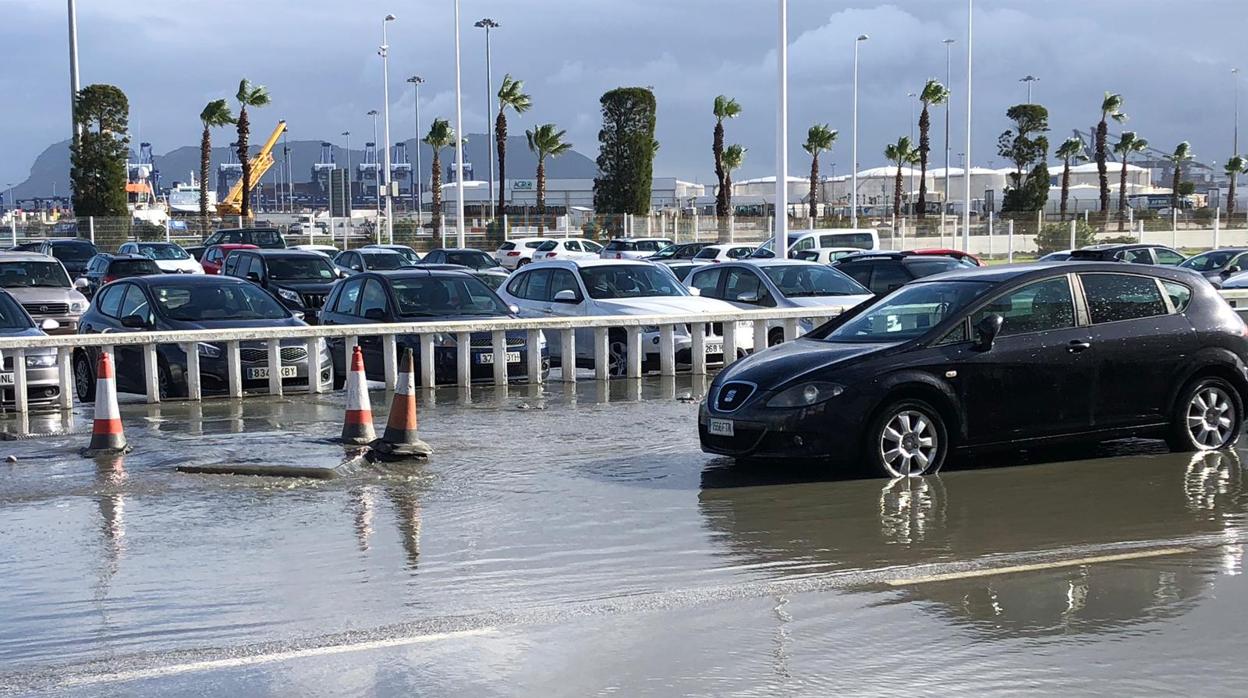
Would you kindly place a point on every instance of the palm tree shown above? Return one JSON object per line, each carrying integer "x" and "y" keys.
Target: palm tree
{"x": 215, "y": 115}
{"x": 1069, "y": 151}
{"x": 901, "y": 153}
{"x": 1128, "y": 143}
{"x": 510, "y": 94}
{"x": 249, "y": 95}
{"x": 1182, "y": 153}
{"x": 1111, "y": 108}
{"x": 545, "y": 142}
{"x": 1234, "y": 167}
{"x": 440, "y": 136}
{"x": 725, "y": 108}
{"x": 734, "y": 157}
{"x": 933, "y": 94}
{"x": 819, "y": 138}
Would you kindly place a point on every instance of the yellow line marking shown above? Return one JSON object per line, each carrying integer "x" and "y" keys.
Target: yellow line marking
{"x": 1055, "y": 564}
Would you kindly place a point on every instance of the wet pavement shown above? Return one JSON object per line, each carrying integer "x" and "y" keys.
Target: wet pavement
{"x": 575, "y": 541}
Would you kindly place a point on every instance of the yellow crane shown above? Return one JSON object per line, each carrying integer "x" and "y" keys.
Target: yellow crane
{"x": 231, "y": 205}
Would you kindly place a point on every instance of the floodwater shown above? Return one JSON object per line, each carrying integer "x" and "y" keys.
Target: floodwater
{"x": 574, "y": 541}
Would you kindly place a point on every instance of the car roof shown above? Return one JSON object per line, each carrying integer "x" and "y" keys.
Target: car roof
{"x": 655, "y": 239}
{"x": 7, "y": 256}
{"x": 418, "y": 272}
{"x": 370, "y": 250}
{"x": 235, "y": 246}
{"x": 125, "y": 255}
{"x": 381, "y": 246}
{"x": 69, "y": 241}
{"x": 1007, "y": 272}
{"x": 287, "y": 252}
{"x": 188, "y": 279}
{"x": 578, "y": 263}
{"x": 248, "y": 230}
{"x": 457, "y": 249}
{"x": 1122, "y": 246}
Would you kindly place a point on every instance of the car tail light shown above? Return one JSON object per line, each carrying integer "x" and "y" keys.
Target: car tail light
{"x": 619, "y": 255}
{"x": 513, "y": 254}
{"x": 109, "y": 279}
{"x": 550, "y": 255}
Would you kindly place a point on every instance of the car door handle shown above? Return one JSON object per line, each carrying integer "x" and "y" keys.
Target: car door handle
{"x": 1077, "y": 346}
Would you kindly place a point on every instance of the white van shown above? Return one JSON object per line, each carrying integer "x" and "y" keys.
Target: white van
{"x": 865, "y": 239}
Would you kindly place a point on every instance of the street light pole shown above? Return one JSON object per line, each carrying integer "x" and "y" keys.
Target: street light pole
{"x": 385, "y": 76}
{"x": 781, "y": 244}
{"x": 376, "y": 176}
{"x": 350, "y": 194}
{"x": 1029, "y": 79}
{"x": 418, "y": 188}
{"x": 489, "y": 24}
{"x": 853, "y": 186}
{"x": 461, "y": 236}
{"x": 948, "y": 102}
{"x": 966, "y": 171}
{"x": 73, "y": 71}
{"x": 1235, "y": 88}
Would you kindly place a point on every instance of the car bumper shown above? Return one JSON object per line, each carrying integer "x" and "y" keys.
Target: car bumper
{"x": 69, "y": 323}
{"x": 214, "y": 373}
{"x": 821, "y": 431}
{"x": 42, "y": 388}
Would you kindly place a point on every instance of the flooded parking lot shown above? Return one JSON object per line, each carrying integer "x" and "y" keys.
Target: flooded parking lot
{"x": 573, "y": 540}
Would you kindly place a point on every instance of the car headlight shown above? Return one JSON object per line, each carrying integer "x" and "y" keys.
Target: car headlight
{"x": 806, "y": 394}
{"x": 40, "y": 360}
{"x": 208, "y": 351}
{"x": 288, "y": 294}
{"x": 78, "y": 307}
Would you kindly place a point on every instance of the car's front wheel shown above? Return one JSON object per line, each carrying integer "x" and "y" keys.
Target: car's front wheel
{"x": 907, "y": 438}
{"x": 84, "y": 377}
{"x": 1207, "y": 417}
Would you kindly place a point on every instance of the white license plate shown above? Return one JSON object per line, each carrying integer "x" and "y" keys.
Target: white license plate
{"x": 513, "y": 357}
{"x": 6, "y": 379}
{"x": 714, "y": 348}
{"x": 720, "y": 427}
{"x": 258, "y": 374}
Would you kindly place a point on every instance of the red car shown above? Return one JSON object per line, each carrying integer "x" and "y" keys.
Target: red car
{"x": 956, "y": 254}
{"x": 214, "y": 257}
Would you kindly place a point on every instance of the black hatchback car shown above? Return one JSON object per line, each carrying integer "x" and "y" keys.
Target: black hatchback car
{"x": 885, "y": 272}
{"x": 994, "y": 357}
{"x": 1134, "y": 253}
{"x": 300, "y": 280}
{"x": 264, "y": 238}
{"x": 106, "y": 268}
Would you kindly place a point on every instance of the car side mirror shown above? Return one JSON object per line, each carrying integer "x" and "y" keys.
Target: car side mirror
{"x": 565, "y": 296}
{"x": 299, "y": 314}
{"x": 695, "y": 291}
{"x": 253, "y": 277}
{"x": 986, "y": 331}
{"x": 134, "y": 322}
{"x": 49, "y": 325}
{"x": 514, "y": 309}
{"x": 748, "y": 298}
{"x": 377, "y": 314}
{"x": 1232, "y": 270}
{"x": 81, "y": 283}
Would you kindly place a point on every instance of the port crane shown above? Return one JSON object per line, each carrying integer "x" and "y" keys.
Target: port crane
{"x": 231, "y": 205}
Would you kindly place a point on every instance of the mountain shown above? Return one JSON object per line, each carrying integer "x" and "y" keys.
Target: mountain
{"x": 50, "y": 171}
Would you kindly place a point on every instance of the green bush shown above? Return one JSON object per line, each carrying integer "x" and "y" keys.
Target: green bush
{"x": 1056, "y": 236}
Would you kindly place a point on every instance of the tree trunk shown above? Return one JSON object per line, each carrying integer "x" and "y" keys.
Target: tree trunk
{"x": 1065, "y": 188}
{"x": 244, "y": 131}
{"x": 1230, "y": 200}
{"x": 717, "y": 149}
{"x": 897, "y": 194}
{"x": 1122, "y": 196}
{"x": 435, "y": 184}
{"x": 925, "y": 124}
{"x": 500, "y": 140}
{"x": 1174, "y": 191}
{"x": 1102, "y": 129}
{"x": 541, "y": 194}
{"x": 205, "y": 163}
{"x": 814, "y": 186}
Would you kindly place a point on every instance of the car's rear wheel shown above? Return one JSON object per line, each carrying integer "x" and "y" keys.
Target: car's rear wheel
{"x": 522, "y": 262}
{"x": 84, "y": 377}
{"x": 907, "y": 439}
{"x": 775, "y": 336}
{"x": 617, "y": 353}
{"x": 1207, "y": 417}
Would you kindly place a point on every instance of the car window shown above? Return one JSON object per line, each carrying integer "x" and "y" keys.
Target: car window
{"x": 548, "y": 246}
{"x": 538, "y": 288}
{"x": 707, "y": 253}
{"x": 228, "y": 301}
{"x": 385, "y": 262}
{"x": 926, "y": 267}
{"x": 648, "y": 246}
{"x": 434, "y": 257}
{"x": 110, "y": 300}
{"x": 860, "y": 272}
{"x": 572, "y": 246}
{"x": 888, "y": 277}
{"x": 33, "y": 275}
{"x": 507, "y": 246}
{"x": 472, "y": 260}
{"x": 310, "y": 268}
{"x": 373, "y": 298}
{"x": 1209, "y": 261}
{"x": 1114, "y": 297}
{"x": 909, "y": 313}
{"x": 630, "y": 281}
{"x": 1137, "y": 256}
{"x": 805, "y": 280}
{"x": 231, "y": 264}
{"x": 707, "y": 282}
{"x": 517, "y": 285}
{"x": 135, "y": 303}
{"x": 563, "y": 280}
{"x": 346, "y": 299}
{"x": 133, "y": 267}
{"x": 740, "y": 252}
{"x": 591, "y": 246}
{"x": 1180, "y": 295}
{"x": 265, "y": 238}
{"x": 533, "y": 244}
{"x": 806, "y": 256}
{"x": 1167, "y": 257}
{"x": 805, "y": 244}
{"x": 1043, "y": 305}
{"x": 741, "y": 283}
{"x": 453, "y": 294}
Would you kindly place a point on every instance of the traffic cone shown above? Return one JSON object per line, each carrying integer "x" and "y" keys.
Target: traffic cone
{"x": 399, "y": 439}
{"x": 358, "y": 427}
{"x": 107, "y": 438}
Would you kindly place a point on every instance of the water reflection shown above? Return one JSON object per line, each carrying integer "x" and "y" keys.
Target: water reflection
{"x": 404, "y": 497}
{"x": 110, "y": 477}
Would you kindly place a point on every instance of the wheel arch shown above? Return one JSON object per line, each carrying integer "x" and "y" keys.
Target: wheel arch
{"x": 1211, "y": 363}
{"x": 921, "y": 386}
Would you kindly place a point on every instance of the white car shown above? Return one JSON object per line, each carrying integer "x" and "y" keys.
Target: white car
{"x": 327, "y": 250}
{"x": 633, "y": 248}
{"x": 863, "y": 239}
{"x": 171, "y": 258}
{"x": 714, "y": 254}
{"x": 567, "y": 248}
{"x": 587, "y": 288}
{"x": 517, "y": 252}
{"x": 825, "y": 255}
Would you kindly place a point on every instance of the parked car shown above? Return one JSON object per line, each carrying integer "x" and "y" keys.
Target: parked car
{"x": 473, "y": 259}
{"x": 353, "y": 262}
{"x": 264, "y": 238}
{"x": 800, "y": 241}
{"x": 214, "y": 257}
{"x": 26, "y": 247}
{"x": 423, "y": 294}
{"x": 42, "y": 286}
{"x": 408, "y": 253}
{"x": 327, "y": 250}
{"x": 1059, "y": 256}
{"x": 778, "y": 283}
{"x": 964, "y": 257}
{"x": 897, "y": 385}
{"x": 587, "y": 288}
{"x": 567, "y": 248}
{"x": 43, "y": 384}
{"x": 824, "y": 255}
{"x": 192, "y": 302}
{"x": 492, "y": 277}
{"x": 714, "y": 254}
{"x": 107, "y": 268}
{"x": 678, "y": 251}
{"x": 1135, "y": 253}
{"x": 73, "y": 253}
{"x": 633, "y": 248}
{"x": 171, "y": 258}
{"x": 300, "y": 280}
{"x": 517, "y": 252}
{"x": 885, "y": 272}
{"x": 1220, "y": 264}
{"x": 681, "y": 268}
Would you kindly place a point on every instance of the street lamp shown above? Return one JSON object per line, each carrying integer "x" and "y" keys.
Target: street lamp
{"x": 419, "y": 188}
{"x": 1235, "y": 89}
{"x": 853, "y": 187}
{"x": 385, "y": 76}
{"x": 73, "y": 70}
{"x": 459, "y": 143}
{"x": 350, "y": 194}
{"x": 489, "y": 24}
{"x": 948, "y": 102}
{"x": 376, "y": 173}
{"x": 966, "y": 171}
{"x": 781, "y": 244}
{"x": 912, "y": 97}
{"x": 1029, "y": 79}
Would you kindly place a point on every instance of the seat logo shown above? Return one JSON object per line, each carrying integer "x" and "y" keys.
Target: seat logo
{"x": 730, "y": 395}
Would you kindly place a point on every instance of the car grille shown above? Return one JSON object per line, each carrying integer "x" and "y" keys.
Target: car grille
{"x": 715, "y": 329}
{"x": 314, "y": 301}
{"x": 732, "y": 396}
{"x": 252, "y": 355}
{"x": 488, "y": 342}
{"x": 46, "y": 308}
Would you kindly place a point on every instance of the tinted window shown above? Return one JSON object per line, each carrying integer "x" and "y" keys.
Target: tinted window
{"x": 374, "y": 297}
{"x": 548, "y": 246}
{"x": 384, "y": 262}
{"x": 707, "y": 282}
{"x": 1044, "y": 305}
{"x": 133, "y": 267}
{"x": 509, "y": 245}
{"x": 1167, "y": 257}
{"x": 110, "y": 300}
{"x": 33, "y": 274}
{"x": 300, "y": 269}
{"x": 472, "y": 260}
{"x": 927, "y": 267}
{"x": 233, "y": 301}
{"x": 265, "y": 238}
{"x": 517, "y": 285}
{"x": 73, "y": 252}
{"x": 803, "y": 280}
{"x": 862, "y": 241}
{"x": 888, "y": 276}
{"x": 707, "y": 253}
{"x": 1114, "y": 297}
{"x": 533, "y": 244}
{"x": 231, "y": 264}
{"x": 346, "y": 299}
{"x": 539, "y": 286}
{"x": 563, "y": 280}
{"x": 1210, "y": 261}
{"x": 135, "y": 303}
{"x": 439, "y": 296}
{"x": 859, "y": 271}
{"x": 1139, "y": 256}
{"x": 743, "y": 283}
{"x": 630, "y": 281}
{"x": 619, "y": 246}
{"x": 1180, "y": 295}
{"x": 648, "y": 246}
{"x": 909, "y": 313}
{"x": 12, "y": 317}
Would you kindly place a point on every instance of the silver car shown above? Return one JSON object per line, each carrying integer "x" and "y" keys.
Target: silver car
{"x": 42, "y": 385}
{"x": 42, "y": 286}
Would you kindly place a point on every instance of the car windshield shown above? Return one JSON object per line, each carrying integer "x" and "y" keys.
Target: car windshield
{"x": 33, "y": 274}
{"x": 300, "y": 269}
{"x": 667, "y": 252}
{"x": 1210, "y": 261}
{"x": 707, "y": 253}
{"x": 163, "y": 252}
{"x": 630, "y": 281}
{"x": 548, "y": 246}
{"x": 767, "y": 249}
{"x": 806, "y": 280}
{"x": 472, "y": 260}
{"x": 385, "y": 261}
{"x": 12, "y": 317}
{"x": 200, "y": 302}
{"x": 908, "y": 312}
{"x": 74, "y": 251}
{"x": 132, "y": 267}
{"x": 440, "y": 296}
{"x": 935, "y": 265}
{"x": 265, "y": 238}
{"x": 620, "y": 246}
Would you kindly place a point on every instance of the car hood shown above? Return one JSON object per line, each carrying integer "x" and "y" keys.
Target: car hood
{"x": 29, "y": 295}
{"x": 829, "y": 301}
{"x": 230, "y": 324}
{"x": 774, "y": 367}
{"x": 664, "y": 305}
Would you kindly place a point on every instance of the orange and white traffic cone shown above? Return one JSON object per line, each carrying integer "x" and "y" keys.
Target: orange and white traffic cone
{"x": 358, "y": 427}
{"x": 107, "y": 438}
{"x": 399, "y": 439}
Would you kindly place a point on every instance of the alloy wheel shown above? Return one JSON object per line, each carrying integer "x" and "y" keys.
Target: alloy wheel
{"x": 1210, "y": 418}
{"x": 908, "y": 444}
{"x": 82, "y": 379}
{"x": 617, "y": 358}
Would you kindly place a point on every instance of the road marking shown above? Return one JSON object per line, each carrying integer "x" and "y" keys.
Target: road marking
{"x": 234, "y": 662}
{"x": 1055, "y": 564}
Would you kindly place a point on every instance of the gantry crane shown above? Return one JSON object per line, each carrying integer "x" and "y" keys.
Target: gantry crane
{"x": 231, "y": 205}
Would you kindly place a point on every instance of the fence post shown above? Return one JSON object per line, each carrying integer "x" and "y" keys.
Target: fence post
{"x": 1073, "y": 224}
{"x": 1040, "y": 222}
{"x": 732, "y": 227}
{"x": 166, "y": 229}
{"x": 1217, "y": 227}
{"x": 13, "y": 226}
{"x": 991, "y": 221}
{"x": 1130, "y": 218}
{"x": 902, "y": 242}
{"x": 1141, "y": 235}
{"x": 1009, "y": 241}
{"x": 1174, "y": 227}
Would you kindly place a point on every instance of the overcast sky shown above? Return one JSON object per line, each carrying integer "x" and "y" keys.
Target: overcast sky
{"x": 1170, "y": 59}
